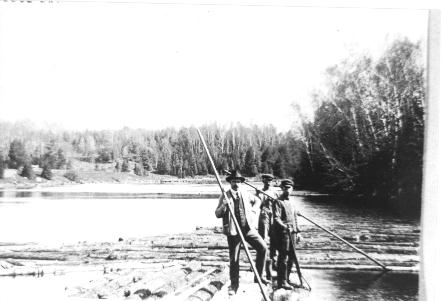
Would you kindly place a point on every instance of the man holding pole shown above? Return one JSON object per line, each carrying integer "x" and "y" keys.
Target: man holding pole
{"x": 245, "y": 207}
{"x": 286, "y": 234}
{"x": 265, "y": 224}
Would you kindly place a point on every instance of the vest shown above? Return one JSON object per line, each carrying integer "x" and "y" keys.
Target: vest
{"x": 238, "y": 208}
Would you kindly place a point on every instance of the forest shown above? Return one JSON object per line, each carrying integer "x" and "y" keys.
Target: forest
{"x": 365, "y": 138}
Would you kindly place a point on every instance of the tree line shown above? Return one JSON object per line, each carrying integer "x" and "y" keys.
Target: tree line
{"x": 178, "y": 152}
{"x": 367, "y": 134}
{"x": 365, "y": 137}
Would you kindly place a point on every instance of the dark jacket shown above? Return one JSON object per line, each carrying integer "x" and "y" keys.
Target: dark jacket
{"x": 285, "y": 214}
{"x": 251, "y": 208}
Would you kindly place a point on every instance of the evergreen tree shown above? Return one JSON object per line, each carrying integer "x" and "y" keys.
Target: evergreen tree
{"x": 27, "y": 171}
{"x": 104, "y": 155}
{"x": 250, "y": 164}
{"x": 265, "y": 168}
{"x": 139, "y": 170}
{"x": 2, "y": 166}
{"x": 202, "y": 168}
{"x": 118, "y": 166}
{"x": 17, "y": 154}
{"x": 280, "y": 167}
{"x": 125, "y": 166}
{"x": 49, "y": 158}
{"x": 46, "y": 172}
{"x": 61, "y": 159}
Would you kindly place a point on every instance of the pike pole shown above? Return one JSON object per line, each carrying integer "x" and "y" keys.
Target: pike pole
{"x": 346, "y": 242}
{"x": 232, "y": 214}
{"x": 329, "y": 232}
{"x": 298, "y": 268}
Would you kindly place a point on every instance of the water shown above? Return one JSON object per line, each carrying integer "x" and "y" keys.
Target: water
{"x": 360, "y": 286}
{"x": 103, "y": 212}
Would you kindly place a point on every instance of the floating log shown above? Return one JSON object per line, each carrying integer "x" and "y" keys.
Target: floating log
{"x": 33, "y": 256}
{"x": 138, "y": 261}
{"x": 21, "y": 271}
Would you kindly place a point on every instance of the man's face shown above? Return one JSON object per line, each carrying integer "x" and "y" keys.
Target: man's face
{"x": 235, "y": 183}
{"x": 286, "y": 190}
{"x": 266, "y": 182}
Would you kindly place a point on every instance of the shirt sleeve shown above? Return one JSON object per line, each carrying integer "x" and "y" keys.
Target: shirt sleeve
{"x": 256, "y": 201}
{"x": 277, "y": 211}
{"x": 221, "y": 209}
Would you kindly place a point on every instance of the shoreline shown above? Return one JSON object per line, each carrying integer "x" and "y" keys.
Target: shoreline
{"x": 18, "y": 183}
{"x": 14, "y": 181}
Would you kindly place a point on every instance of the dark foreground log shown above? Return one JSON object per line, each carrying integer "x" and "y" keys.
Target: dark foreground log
{"x": 207, "y": 292}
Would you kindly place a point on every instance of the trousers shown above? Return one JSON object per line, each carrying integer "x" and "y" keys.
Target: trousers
{"x": 286, "y": 256}
{"x": 266, "y": 232}
{"x": 257, "y": 243}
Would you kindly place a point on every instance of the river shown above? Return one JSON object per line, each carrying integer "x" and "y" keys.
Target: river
{"x": 106, "y": 212}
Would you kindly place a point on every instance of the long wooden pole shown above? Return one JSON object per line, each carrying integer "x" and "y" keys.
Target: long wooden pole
{"x": 329, "y": 232}
{"x": 346, "y": 242}
{"x": 232, "y": 214}
{"x": 295, "y": 259}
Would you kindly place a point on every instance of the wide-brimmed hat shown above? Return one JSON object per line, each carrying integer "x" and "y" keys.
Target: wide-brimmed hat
{"x": 267, "y": 176}
{"x": 286, "y": 183}
{"x": 234, "y": 174}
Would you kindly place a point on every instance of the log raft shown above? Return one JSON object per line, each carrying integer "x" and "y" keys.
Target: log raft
{"x": 193, "y": 266}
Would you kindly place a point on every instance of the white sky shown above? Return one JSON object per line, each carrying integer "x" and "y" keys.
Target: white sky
{"x": 103, "y": 65}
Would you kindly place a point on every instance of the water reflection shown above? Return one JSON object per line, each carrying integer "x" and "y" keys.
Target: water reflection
{"x": 362, "y": 285}
{"x": 106, "y": 195}
{"x": 17, "y": 194}
{"x": 24, "y": 194}
{"x": 102, "y": 195}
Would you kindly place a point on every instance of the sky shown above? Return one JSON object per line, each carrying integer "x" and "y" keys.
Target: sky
{"x": 105, "y": 65}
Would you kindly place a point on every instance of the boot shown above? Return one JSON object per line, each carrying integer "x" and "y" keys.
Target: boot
{"x": 263, "y": 281}
{"x": 293, "y": 284}
{"x": 285, "y": 285}
{"x": 232, "y": 289}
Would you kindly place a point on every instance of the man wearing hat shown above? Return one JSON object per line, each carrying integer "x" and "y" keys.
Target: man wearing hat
{"x": 286, "y": 232}
{"x": 245, "y": 206}
{"x": 265, "y": 222}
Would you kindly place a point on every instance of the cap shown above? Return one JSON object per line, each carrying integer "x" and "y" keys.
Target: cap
{"x": 267, "y": 176}
{"x": 286, "y": 183}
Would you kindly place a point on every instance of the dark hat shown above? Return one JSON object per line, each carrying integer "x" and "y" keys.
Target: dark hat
{"x": 267, "y": 176}
{"x": 234, "y": 174}
{"x": 286, "y": 183}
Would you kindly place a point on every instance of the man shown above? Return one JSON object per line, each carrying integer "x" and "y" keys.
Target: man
{"x": 286, "y": 232}
{"x": 265, "y": 224}
{"x": 245, "y": 207}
